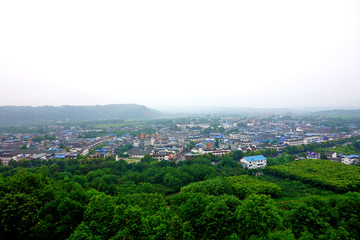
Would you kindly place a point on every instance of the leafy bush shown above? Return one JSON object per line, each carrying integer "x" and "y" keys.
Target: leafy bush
{"x": 245, "y": 185}
{"x": 240, "y": 186}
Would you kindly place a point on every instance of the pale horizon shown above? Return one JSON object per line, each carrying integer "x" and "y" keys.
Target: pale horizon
{"x": 188, "y": 54}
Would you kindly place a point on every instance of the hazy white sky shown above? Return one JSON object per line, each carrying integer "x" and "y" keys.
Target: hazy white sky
{"x": 180, "y": 53}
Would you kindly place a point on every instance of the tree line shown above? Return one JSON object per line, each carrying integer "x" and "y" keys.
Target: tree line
{"x": 194, "y": 199}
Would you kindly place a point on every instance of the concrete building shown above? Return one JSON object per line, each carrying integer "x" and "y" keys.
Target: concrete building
{"x": 254, "y": 162}
{"x": 312, "y": 139}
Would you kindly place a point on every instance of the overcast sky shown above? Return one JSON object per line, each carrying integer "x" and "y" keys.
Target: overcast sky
{"x": 180, "y": 53}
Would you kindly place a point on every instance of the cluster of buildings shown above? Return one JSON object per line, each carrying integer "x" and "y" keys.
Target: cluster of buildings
{"x": 167, "y": 141}
{"x": 55, "y": 145}
{"x": 350, "y": 159}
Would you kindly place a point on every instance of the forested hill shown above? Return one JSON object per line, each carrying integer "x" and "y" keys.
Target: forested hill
{"x": 20, "y": 115}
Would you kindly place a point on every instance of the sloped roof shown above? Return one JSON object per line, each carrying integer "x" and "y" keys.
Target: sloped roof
{"x": 328, "y": 152}
{"x": 139, "y": 151}
{"x": 255, "y": 158}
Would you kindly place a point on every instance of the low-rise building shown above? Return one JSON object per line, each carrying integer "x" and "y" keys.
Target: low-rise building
{"x": 313, "y": 155}
{"x": 160, "y": 156}
{"x": 330, "y": 154}
{"x": 349, "y": 159}
{"x": 137, "y": 152}
{"x": 294, "y": 142}
{"x": 254, "y": 162}
{"x": 312, "y": 139}
{"x": 6, "y": 157}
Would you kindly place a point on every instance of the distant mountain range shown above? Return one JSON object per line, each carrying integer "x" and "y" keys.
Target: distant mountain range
{"x": 340, "y": 113}
{"x": 226, "y": 110}
{"x": 22, "y": 115}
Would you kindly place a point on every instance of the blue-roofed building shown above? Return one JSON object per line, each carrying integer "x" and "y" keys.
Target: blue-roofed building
{"x": 101, "y": 150}
{"x": 349, "y": 159}
{"x": 254, "y": 162}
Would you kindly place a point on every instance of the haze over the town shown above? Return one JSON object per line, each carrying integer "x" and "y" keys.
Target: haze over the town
{"x": 164, "y": 54}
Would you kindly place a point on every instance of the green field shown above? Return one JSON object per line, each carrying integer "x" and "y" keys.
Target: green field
{"x": 132, "y": 160}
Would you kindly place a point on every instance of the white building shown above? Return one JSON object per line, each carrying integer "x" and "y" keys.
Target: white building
{"x": 160, "y": 156}
{"x": 294, "y": 142}
{"x": 349, "y": 159}
{"x": 312, "y": 139}
{"x": 254, "y": 162}
{"x": 7, "y": 157}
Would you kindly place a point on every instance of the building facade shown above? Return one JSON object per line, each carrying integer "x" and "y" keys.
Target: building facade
{"x": 254, "y": 162}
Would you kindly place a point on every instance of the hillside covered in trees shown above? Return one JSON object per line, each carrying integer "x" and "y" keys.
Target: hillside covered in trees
{"x": 194, "y": 199}
{"x": 21, "y": 115}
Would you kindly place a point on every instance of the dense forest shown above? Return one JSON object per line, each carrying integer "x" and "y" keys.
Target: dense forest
{"x": 193, "y": 199}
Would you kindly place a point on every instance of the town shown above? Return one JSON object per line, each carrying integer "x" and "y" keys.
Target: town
{"x": 181, "y": 139}
{"x": 180, "y": 120}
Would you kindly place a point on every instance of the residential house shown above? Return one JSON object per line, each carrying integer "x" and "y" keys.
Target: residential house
{"x": 138, "y": 152}
{"x": 6, "y": 157}
{"x": 349, "y": 159}
{"x": 254, "y": 162}
{"x": 218, "y": 152}
{"x": 313, "y": 155}
{"x": 160, "y": 156}
{"x": 330, "y": 154}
